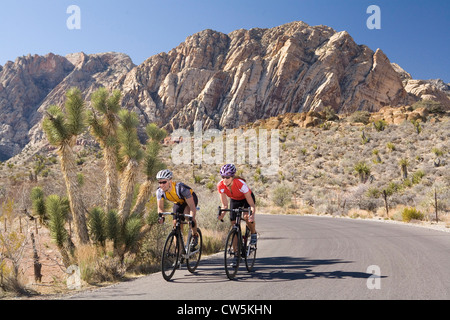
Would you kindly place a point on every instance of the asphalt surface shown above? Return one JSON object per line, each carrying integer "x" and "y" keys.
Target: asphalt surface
{"x": 305, "y": 257}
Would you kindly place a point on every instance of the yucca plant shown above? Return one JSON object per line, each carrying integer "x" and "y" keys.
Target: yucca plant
{"x": 62, "y": 128}
{"x": 97, "y": 226}
{"x": 151, "y": 166}
{"x": 124, "y": 234}
{"x": 131, "y": 154}
{"x": 112, "y": 227}
{"x": 38, "y": 205}
{"x": 363, "y": 171}
{"x": 404, "y": 167}
{"x": 103, "y": 126}
{"x": 58, "y": 210}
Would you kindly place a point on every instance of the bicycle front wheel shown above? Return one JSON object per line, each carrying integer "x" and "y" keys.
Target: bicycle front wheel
{"x": 195, "y": 253}
{"x": 171, "y": 256}
{"x": 232, "y": 253}
{"x": 249, "y": 252}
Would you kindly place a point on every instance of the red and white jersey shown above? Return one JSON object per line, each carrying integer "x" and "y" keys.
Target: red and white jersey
{"x": 238, "y": 189}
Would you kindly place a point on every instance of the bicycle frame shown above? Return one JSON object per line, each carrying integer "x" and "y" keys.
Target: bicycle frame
{"x": 186, "y": 249}
{"x": 238, "y": 212}
{"x": 175, "y": 252}
{"x": 236, "y": 248}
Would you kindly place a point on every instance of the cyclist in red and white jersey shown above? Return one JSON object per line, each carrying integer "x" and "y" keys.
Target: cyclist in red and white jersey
{"x": 240, "y": 195}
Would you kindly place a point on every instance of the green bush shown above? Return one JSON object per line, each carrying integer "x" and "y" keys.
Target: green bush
{"x": 360, "y": 116}
{"x": 380, "y": 125}
{"x": 429, "y": 105}
{"x": 411, "y": 213}
{"x": 281, "y": 196}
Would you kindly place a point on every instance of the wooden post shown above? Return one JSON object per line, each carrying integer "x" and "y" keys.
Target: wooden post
{"x": 385, "y": 202}
{"x": 36, "y": 263}
{"x": 436, "y": 204}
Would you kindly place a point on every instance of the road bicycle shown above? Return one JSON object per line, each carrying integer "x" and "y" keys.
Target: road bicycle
{"x": 176, "y": 251}
{"x": 238, "y": 245}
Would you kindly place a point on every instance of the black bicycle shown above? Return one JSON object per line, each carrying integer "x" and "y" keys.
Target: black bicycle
{"x": 238, "y": 245}
{"x": 176, "y": 251}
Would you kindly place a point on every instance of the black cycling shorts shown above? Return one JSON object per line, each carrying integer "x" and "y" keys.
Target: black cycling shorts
{"x": 179, "y": 208}
{"x": 239, "y": 204}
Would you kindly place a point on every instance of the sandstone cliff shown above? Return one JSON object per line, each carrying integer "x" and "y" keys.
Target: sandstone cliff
{"x": 32, "y": 83}
{"x": 229, "y": 80}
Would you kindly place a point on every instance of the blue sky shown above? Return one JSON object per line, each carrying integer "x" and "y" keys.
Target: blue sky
{"x": 415, "y": 34}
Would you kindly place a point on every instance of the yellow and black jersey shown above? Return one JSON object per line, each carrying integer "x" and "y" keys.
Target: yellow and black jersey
{"x": 177, "y": 193}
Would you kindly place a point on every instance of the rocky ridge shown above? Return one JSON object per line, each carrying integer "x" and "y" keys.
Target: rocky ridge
{"x": 223, "y": 80}
{"x": 229, "y": 80}
{"x": 32, "y": 83}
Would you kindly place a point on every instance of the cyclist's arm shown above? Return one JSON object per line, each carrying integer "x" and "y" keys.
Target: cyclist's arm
{"x": 224, "y": 200}
{"x": 190, "y": 202}
{"x": 160, "y": 200}
{"x": 248, "y": 197}
{"x": 160, "y": 205}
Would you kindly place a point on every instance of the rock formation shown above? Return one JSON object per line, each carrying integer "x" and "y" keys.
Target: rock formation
{"x": 223, "y": 80}
{"x": 32, "y": 83}
{"x": 229, "y": 80}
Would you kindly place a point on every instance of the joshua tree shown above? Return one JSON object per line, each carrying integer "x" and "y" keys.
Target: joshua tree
{"x": 62, "y": 129}
{"x": 404, "y": 167}
{"x": 104, "y": 128}
{"x": 131, "y": 154}
{"x": 38, "y": 203}
{"x": 58, "y": 209}
{"x": 151, "y": 165}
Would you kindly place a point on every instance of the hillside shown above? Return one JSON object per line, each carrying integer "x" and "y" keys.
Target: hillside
{"x": 317, "y": 164}
{"x": 317, "y": 175}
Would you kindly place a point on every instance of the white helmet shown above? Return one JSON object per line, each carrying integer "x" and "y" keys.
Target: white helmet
{"x": 164, "y": 174}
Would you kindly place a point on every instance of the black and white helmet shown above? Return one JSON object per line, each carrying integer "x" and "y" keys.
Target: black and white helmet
{"x": 164, "y": 174}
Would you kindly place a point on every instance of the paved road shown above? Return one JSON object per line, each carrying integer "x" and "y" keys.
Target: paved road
{"x": 314, "y": 258}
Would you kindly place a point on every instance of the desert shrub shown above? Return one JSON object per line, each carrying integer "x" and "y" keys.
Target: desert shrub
{"x": 417, "y": 176}
{"x": 363, "y": 170}
{"x": 409, "y": 214}
{"x": 213, "y": 241}
{"x": 98, "y": 266}
{"x": 360, "y": 116}
{"x": 430, "y": 105}
{"x": 380, "y": 125}
{"x": 281, "y": 196}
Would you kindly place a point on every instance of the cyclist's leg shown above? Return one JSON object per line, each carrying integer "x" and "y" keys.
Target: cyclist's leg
{"x": 187, "y": 210}
{"x": 251, "y": 225}
{"x": 233, "y": 205}
{"x": 178, "y": 208}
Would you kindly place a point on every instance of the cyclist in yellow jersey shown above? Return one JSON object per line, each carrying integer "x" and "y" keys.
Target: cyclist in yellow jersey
{"x": 184, "y": 198}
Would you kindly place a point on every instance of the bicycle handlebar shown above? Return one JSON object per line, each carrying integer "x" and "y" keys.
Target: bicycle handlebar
{"x": 160, "y": 214}
{"x": 237, "y": 210}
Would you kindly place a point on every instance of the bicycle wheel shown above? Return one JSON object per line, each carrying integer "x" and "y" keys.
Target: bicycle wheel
{"x": 170, "y": 256}
{"x": 232, "y": 253}
{"x": 249, "y": 251}
{"x": 193, "y": 258}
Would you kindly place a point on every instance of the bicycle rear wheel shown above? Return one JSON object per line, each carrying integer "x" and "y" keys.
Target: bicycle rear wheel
{"x": 193, "y": 258}
{"x": 171, "y": 256}
{"x": 232, "y": 253}
{"x": 249, "y": 251}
